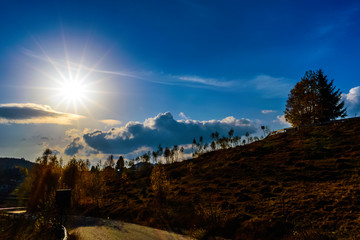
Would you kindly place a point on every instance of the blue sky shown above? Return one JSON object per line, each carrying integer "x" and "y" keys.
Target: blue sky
{"x": 161, "y": 72}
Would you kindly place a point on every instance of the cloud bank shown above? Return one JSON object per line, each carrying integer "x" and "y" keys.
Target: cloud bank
{"x": 162, "y": 129}
{"x": 31, "y": 113}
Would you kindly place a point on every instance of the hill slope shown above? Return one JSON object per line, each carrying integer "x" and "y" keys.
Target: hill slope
{"x": 299, "y": 184}
{"x": 9, "y": 163}
{"x": 12, "y": 174}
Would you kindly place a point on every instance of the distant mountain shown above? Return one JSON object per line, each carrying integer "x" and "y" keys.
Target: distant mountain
{"x": 9, "y": 163}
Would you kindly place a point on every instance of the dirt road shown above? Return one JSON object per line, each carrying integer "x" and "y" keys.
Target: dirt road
{"x": 97, "y": 228}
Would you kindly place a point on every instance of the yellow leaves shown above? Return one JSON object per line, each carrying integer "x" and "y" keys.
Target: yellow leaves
{"x": 159, "y": 181}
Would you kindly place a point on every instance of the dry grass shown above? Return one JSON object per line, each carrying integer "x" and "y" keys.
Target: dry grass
{"x": 300, "y": 185}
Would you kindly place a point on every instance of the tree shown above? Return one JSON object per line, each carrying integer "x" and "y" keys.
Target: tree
{"x": 213, "y": 145}
{"x": 155, "y": 155}
{"x": 146, "y": 157}
{"x": 314, "y": 100}
{"x": 167, "y": 153}
{"x": 247, "y": 136}
{"x": 231, "y": 133}
{"x": 330, "y": 106}
{"x": 194, "y": 144}
{"x": 175, "y": 150}
{"x": 110, "y": 162}
{"x": 42, "y": 182}
{"x": 120, "y": 164}
{"x": 182, "y": 149}
{"x": 159, "y": 182}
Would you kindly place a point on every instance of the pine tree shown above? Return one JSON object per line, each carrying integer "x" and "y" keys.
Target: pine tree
{"x": 314, "y": 100}
{"x": 330, "y": 106}
{"x": 120, "y": 164}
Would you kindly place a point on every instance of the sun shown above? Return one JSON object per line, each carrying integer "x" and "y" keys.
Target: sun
{"x": 71, "y": 82}
{"x": 73, "y": 90}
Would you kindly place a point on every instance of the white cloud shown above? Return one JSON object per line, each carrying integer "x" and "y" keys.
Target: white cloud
{"x": 31, "y": 113}
{"x": 183, "y": 116}
{"x": 281, "y": 119}
{"x": 111, "y": 122}
{"x": 162, "y": 129}
{"x": 352, "y": 100}
{"x": 267, "y": 111}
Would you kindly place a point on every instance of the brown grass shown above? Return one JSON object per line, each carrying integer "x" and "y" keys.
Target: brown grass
{"x": 300, "y": 185}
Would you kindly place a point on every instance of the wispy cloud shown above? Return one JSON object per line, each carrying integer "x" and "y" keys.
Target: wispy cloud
{"x": 161, "y": 78}
{"x": 268, "y": 85}
{"x": 31, "y": 113}
{"x": 77, "y": 66}
{"x": 271, "y": 86}
{"x": 111, "y": 122}
{"x": 267, "y": 111}
{"x": 205, "y": 81}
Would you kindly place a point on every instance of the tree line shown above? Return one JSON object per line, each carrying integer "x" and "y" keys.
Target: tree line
{"x": 199, "y": 146}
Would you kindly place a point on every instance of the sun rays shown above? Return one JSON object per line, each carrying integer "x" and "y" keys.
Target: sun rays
{"x": 71, "y": 85}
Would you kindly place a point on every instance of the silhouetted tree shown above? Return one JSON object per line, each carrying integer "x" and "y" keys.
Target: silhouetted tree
{"x": 314, "y": 100}
{"x": 231, "y": 134}
{"x": 213, "y": 145}
{"x": 146, "y": 157}
{"x": 237, "y": 140}
{"x": 160, "y": 151}
{"x": 247, "y": 136}
{"x": 193, "y": 146}
{"x": 206, "y": 145}
{"x": 266, "y": 130}
{"x": 131, "y": 163}
{"x": 176, "y": 152}
{"x": 167, "y": 154}
{"x": 119, "y": 167}
{"x": 155, "y": 156}
{"x": 110, "y": 162}
{"x": 182, "y": 151}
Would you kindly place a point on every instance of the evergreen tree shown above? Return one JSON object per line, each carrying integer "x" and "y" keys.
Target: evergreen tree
{"x": 314, "y": 100}
{"x": 120, "y": 164}
{"x": 330, "y": 106}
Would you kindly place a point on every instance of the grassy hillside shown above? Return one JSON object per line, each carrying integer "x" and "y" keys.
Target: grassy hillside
{"x": 9, "y": 163}
{"x": 298, "y": 185}
{"x": 12, "y": 174}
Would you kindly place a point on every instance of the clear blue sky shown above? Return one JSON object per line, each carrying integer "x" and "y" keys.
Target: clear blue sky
{"x": 161, "y": 72}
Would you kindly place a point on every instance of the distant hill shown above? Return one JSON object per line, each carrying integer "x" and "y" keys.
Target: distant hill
{"x": 11, "y": 177}
{"x": 302, "y": 184}
{"x": 9, "y": 163}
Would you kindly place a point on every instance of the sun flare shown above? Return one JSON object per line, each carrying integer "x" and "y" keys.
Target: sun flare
{"x": 73, "y": 90}
{"x": 71, "y": 86}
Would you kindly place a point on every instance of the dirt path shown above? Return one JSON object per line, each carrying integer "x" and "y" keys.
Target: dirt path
{"x": 97, "y": 228}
